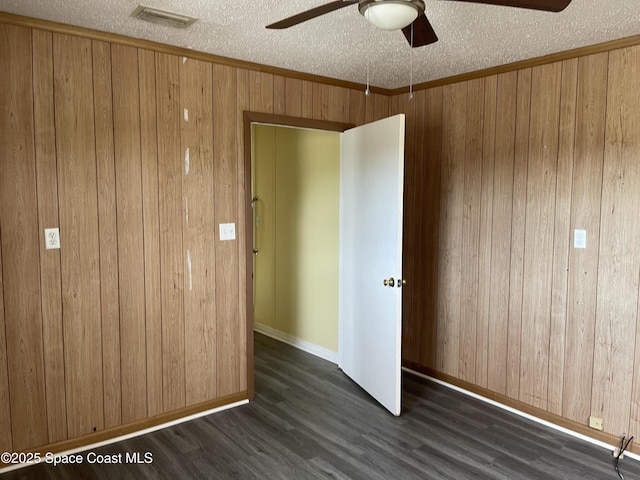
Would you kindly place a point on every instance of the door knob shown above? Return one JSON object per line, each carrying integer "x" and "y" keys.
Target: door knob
{"x": 389, "y": 282}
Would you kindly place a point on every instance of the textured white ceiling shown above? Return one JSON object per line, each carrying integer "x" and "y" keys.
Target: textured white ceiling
{"x": 340, "y": 44}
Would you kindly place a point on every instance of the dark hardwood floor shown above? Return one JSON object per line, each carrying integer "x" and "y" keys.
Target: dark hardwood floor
{"x": 309, "y": 421}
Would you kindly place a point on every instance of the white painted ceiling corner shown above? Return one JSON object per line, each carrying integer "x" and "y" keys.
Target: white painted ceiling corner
{"x": 338, "y": 45}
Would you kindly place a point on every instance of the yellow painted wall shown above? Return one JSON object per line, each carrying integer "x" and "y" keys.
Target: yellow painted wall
{"x": 297, "y": 182}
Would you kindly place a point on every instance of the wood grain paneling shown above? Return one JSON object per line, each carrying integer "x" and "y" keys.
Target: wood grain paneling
{"x": 556, "y": 315}
{"x": 454, "y": 105}
{"x": 106, "y": 178}
{"x": 472, "y": 195}
{"x": 150, "y": 200}
{"x": 170, "y": 168}
{"x": 106, "y": 155}
{"x": 377, "y": 107}
{"x": 561, "y": 236}
{"x": 486, "y": 215}
{"x": 431, "y": 234}
{"x": 619, "y": 256}
{"x": 261, "y": 92}
{"x": 502, "y": 211}
{"x": 245, "y": 286}
{"x": 196, "y": 90}
{"x": 541, "y": 186}
{"x": 330, "y": 103}
{"x": 535, "y": 199}
{"x": 77, "y": 190}
{"x": 292, "y": 97}
{"x": 20, "y": 249}
{"x": 307, "y": 99}
{"x": 279, "y": 95}
{"x": 358, "y": 108}
{"x": 409, "y": 337}
{"x": 50, "y": 280}
{"x": 516, "y": 268}
{"x": 126, "y": 135}
{"x": 412, "y": 228}
{"x": 5, "y": 404}
{"x": 585, "y": 214}
{"x": 226, "y": 208}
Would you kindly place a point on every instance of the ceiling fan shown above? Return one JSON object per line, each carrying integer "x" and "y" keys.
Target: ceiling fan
{"x": 405, "y": 14}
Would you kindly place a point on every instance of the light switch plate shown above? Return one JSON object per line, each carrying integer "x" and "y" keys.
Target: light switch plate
{"x": 227, "y": 231}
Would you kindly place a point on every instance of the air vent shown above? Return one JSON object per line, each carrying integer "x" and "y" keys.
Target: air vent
{"x": 162, "y": 17}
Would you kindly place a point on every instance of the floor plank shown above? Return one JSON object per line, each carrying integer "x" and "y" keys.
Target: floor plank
{"x": 309, "y": 421}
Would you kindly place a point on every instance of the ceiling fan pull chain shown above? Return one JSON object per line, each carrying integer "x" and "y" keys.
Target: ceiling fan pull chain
{"x": 368, "y": 90}
{"x": 411, "y": 67}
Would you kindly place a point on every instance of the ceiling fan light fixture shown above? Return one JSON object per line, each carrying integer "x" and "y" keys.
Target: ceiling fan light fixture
{"x": 391, "y": 14}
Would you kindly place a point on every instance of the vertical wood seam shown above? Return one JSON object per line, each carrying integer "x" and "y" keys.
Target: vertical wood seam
{"x": 185, "y": 247}
{"x": 479, "y": 232}
{"x": 553, "y": 237}
{"x": 566, "y": 305}
{"x": 159, "y": 264}
{"x": 55, "y": 153}
{"x": 55, "y": 150}
{"x": 6, "y": 341}
{"x": 604, "y": 152}
{"x": 35, "y": 169}
{"x": 513, "y": 176}
{"x": 144, "y": 277}
{"x": 115, "y": 198}
{"x": 95, "y": 149}
{"x": 524, "y": 226}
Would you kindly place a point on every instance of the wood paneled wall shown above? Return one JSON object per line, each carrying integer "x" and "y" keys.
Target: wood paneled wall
{"x": 505, "y": 168}
{"x": 136, "y": 156}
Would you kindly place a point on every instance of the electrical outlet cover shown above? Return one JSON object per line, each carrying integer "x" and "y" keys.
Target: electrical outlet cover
{"x": 51, "y": 238}
{"x": 580, "y": 239}
{"x": 596, "y": 423}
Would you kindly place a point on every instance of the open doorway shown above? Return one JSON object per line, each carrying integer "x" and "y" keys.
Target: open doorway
{"x": 253, "y": 205}
{"x": 371, "y": 178}
{"x": 296, "y": 207}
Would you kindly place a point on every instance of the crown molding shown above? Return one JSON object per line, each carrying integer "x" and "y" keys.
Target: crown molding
{"x": 29, "y": 22}
{"x": 522, "y": 64}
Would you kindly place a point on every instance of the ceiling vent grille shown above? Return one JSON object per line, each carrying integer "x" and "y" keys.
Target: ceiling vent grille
{"x": 162, "y": 17}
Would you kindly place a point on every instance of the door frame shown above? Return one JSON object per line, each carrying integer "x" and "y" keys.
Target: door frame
{"x": 250, "y": 118}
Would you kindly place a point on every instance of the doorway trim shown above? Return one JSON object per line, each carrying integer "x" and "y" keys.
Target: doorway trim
{"x": 249, "y": 118}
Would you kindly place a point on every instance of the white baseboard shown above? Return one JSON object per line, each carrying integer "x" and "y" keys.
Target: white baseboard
{"x": 308, "y": 347}
{"x": 593, "y": 441}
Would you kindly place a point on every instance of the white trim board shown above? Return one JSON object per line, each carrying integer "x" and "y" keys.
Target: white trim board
{"x": 134, "y": 434}
{"x": 593, "y": 441}
{"x": 303, "y": 345}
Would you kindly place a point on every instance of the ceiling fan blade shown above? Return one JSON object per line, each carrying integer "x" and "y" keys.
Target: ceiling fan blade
{"x": 544, "y": 5}
{"x": 423, "y": 33}
{"x": 312, "y": 13}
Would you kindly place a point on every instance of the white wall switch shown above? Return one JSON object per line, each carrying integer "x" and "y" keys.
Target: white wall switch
{"x": 579, "y": 239}
{"x": 51, "y": 238}
{"x": 227, "y": 231}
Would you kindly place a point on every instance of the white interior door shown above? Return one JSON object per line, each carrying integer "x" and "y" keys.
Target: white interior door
{"x": 371, "y": 189}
